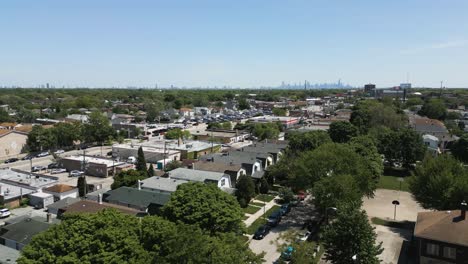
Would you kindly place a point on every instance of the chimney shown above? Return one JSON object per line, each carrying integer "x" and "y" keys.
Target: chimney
{"x": 179, "y": 142}
{"x": 99, "y": 198}
{"x": 463, "y": 210}
{"x": 49, "y": 217}
{"x": 139, "y": 185}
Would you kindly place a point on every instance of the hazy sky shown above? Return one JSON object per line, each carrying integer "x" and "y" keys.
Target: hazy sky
{"x": 236, "y": 43}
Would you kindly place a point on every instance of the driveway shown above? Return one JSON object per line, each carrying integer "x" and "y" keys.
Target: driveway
{"x": 381, "y": 205}
{"x": 394, "y": 241}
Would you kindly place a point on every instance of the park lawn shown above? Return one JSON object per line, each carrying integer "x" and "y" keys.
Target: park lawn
{"x": 264, "y": 197}
{"x": 392, "y": 183}
{"x": 257, "y": 204}
{"x": 260, "y": 221}
{"x": 251, "y": 209}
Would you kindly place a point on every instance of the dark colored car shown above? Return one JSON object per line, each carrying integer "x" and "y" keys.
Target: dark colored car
{"x": 53, "y": 166}
{"x": 274, "y": 218}
{"x": 28, "y": 157}
{"x": 261, "y": 232}
{"x": 11, "y": 160}
{"x": 285, "y": 208}
{"x": 109, "y": 153}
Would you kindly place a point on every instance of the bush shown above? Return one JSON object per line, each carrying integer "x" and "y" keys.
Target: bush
{"x": 242, "y": 202}
{"x": 286, "y": 195}
{"x": 264, "y": 187}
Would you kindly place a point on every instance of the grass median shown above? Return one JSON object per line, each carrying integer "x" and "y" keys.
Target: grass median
{"x": 260, "y": 221}
{"x": 265, "y": 197}
{"x": 251, "y": 209}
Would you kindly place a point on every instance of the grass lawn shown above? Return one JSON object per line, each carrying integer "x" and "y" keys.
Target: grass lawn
{"x": 396, "y": 224}
{"x": 245, "y": 217}
{"x": 392, "y": 183}
{"x": 264, "y": 197}
{"x": 260, "y": 221}
{"x": 257, "y": 204}
{"x": 251, "y": 209}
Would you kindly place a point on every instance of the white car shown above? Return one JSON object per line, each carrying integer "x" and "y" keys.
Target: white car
{"x": 76, "y": 173}
{"x": 60, "y": 151}
{"x": 4, "y": 213}
{"x": 42, "y": 154}
{"x": 56, "y": 171}
{"x": 304, "y": 237}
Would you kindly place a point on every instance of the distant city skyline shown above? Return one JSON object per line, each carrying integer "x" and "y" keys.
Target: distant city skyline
{"x": 246, "y": 44}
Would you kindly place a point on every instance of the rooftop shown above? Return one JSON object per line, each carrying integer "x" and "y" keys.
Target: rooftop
{"x": 87, "y": 206}
{"x": 188, "y": 145}
{"x": 60, "y": 188}
{"x": 161, "y": 183}
{"x": 96, "y": 160}
{"x": 63, "y": 203}
{"x": 133, "y": 196}
{"x": 24, "y": 230}
{"x": 195, "y": 175}
{"x": 445, "y": 226}
{"x": 216, "y": 167}
{"x": 17, "y": 177}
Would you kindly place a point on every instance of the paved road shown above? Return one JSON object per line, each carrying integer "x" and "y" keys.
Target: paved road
{"x": 293, "y": 221}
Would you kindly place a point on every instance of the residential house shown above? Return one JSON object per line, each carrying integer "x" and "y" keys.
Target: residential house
{"x": 62, "y": 191}
{"x": 54, "y": 208}
{"x": 424, "y": 125}
{"x": 442, "y": 237}
{"x": 432, "y": 144}
{"x": 19, "y": 233}
{"x": 221, "y": 180}
{"x": 276, "y": 150}
{"x": 77, "y": 118}
{"x": 161, "y": 184}
{"x": 248, "y": 162}
{"x": 186, "y": 112}
{"x": 87, "y": 206}
{"x": 233, "y": 170}
{"x": 12, "y": 143}
{"x": 121, "y": 118}
{"x": 137, "y": 198}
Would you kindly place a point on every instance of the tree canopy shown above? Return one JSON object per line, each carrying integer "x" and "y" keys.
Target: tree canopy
{"x": 111, "y": 237}
{"x": 459, "y": 149}
{"x": 440, "y": 183}
{"x": 350, "y": 234}
{"x": 342, "y": 131}
{"x": 370, "y": 114}
{"x": 245, "y": 190}
{"x": 205, "y": 206}
{"x": 299, "y": 142}
{"x": 128, "y": 178}
{"x": 177, "y": 133}
{"x": 434, "y": 108}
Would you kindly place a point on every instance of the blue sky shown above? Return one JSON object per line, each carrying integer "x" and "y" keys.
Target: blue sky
{"x": 235, "y": 43}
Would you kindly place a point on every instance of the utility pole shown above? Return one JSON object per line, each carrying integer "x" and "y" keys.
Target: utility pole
{"x": 164, "y": 155}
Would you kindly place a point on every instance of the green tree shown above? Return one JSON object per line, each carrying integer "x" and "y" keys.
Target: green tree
{"x": 82, "y": 186}
{"x": 151, "y": 171}
{"x": 266, "y": 131}
{"x": 264, "y": 186}
{"x": 336, "y": 191}
{"x": 98, "y": 128}
{"x": 243, "y": 104}
{"x": 67, "y": 133}
{"x": 351, "y": 235}
{"x": 330, "y": 160}
{"x": 245, "y": 190}
{"x": 299, "y": 142}
{"x": 177, "y": 133}
{"x": 342, "y": 131}
{"x": 4, "y": 116}
{"x": 40, "y": 139}
{"x": 205, "y": 206}
{"x": 373, "y": 114}
{"x": 439, "y": 183}
{"x": 286, "y": 194}
{"x": 172, "y": 165}
{"x": 366, "y": 148}
{"x": 459, "y": 149}
{"x": 434, "y": 108}
{"x": 141, "y": 161}
{"x": 279, "y": 111}
{"x": 128, "y": 178}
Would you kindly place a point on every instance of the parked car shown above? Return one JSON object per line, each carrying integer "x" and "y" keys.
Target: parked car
{"x": 42, "y": 154}
{"x": 28, "y": 157}
{"x": 53, "y": 165}
{"x": 261, "y": 232}
{"x": 60, "y": 151}
{"x": 4, "y": 213}
{"x": 285, "y": 208}
{"x": 274, "y": 218}
{"x": 301, "y": 195}
{"x": 11, "y": 160}
{"x": 76, "y": 173}
{"x": 38, "y": 168}
{"x": 109, "y": 153}
{"x": 287, "y": 253}
{"x": 57, "y": 171}
{"x": 131, "y": 160}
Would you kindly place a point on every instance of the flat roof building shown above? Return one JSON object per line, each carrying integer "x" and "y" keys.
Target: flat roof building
{"x": 94, "y": 166}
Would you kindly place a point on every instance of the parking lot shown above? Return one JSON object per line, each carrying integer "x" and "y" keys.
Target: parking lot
{"x": 294, "y": 220}
{"x": 25, "y": 165}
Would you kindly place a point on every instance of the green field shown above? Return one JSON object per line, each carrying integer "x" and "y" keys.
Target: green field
{"x": 260, "y": 221}
{"x": 257, "y": 204}
{"x": 251, "y": 209}
{"x": 392, "y": 183}
{"x": 264, "y": 197}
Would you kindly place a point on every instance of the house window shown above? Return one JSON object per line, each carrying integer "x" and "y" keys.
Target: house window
{"x": 450, "y": 252}
{"x": 432, "y": 249}
{"x": 223, "y": 182}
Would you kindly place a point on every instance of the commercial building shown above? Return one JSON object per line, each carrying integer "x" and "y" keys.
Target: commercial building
{"x": 286, "y": 121}
{"x": 93, "y": 166}
{"x": 153, "y": 154}
{"x": 221, "y": 136}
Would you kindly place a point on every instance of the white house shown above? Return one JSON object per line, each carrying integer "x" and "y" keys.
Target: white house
{"x": 61, "y": 191}
{"x": 222, "y": 180}
{"x": 432, "y": 143}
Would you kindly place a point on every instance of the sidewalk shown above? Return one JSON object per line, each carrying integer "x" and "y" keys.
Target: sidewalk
{"x": 259, "y": 213}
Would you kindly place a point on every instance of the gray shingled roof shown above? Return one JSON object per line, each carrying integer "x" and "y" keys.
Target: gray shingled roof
{"x": 63, "y": 203}
{"x": 248, "y": 158}
{"x": 216, "y": 167}
{"x": 195, "y": 175}
{"x": 23, "y": 231}
{"x": 161, "y": 183}
{"x": 133, "y": 196}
